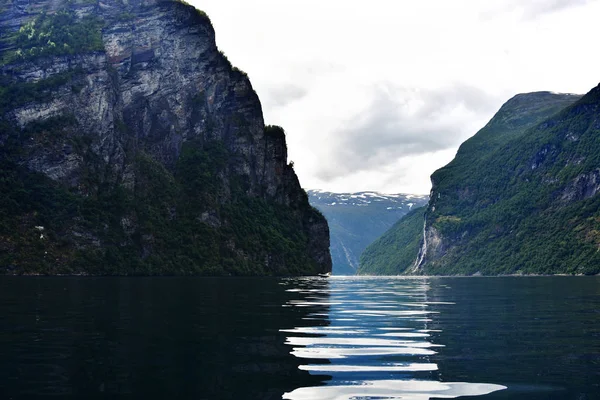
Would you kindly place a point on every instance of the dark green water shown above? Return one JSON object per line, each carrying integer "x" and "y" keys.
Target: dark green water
{"x": 311, "y": 338}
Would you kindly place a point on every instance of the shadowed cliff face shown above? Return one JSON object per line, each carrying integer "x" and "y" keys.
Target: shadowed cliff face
{"x": 139, "y": 106}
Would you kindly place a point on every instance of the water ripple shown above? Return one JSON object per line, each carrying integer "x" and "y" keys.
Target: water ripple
{"x": 373, "y": 339}
{"x": 393, "y": 389}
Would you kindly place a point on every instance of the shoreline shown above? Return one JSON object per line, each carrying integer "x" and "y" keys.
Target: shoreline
{"x": 80, "y": 275}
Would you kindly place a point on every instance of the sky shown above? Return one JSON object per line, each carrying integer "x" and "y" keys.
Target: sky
{"x": 377, "y": 95}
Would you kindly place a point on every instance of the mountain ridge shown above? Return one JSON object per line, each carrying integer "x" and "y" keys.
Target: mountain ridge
{"x": 519, "y": 197}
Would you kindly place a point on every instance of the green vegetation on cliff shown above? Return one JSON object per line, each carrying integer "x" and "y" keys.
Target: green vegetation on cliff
{"x": 168, "y": 224}
{"x": 144, "y": 158}
{"x": 517, "y": 209}
{"x": 394, "y": 252}
{"x": 521, "y": 195}
{"x": 60, "y": 33}
{"x": 14, "y": 94}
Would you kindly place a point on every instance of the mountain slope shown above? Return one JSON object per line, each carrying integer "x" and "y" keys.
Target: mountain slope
{"x": 520, "y": 196}
{"x": 391, "y": 253}
{"x": 130, "y": 145}
{"x": 357, "y": 219}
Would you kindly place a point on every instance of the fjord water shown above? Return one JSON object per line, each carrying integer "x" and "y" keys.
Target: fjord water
{"x": 300, "y": 338}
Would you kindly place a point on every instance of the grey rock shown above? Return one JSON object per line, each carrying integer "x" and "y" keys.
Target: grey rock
{"x": 159, "y": 83}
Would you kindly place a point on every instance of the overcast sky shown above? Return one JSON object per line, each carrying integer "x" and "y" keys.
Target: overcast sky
{"x": 376, "y": 95}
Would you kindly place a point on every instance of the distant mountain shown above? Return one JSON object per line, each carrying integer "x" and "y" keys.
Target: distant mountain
{"x": 357, "y": 219}
{"x": 520, "y": 197}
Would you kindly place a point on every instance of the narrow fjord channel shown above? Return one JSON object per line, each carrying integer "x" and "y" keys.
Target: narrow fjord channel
{"x": 301, "y": 338}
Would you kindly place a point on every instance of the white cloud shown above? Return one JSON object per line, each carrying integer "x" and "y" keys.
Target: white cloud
{"x": 420, "y": 76}
{"x": 401, "y": 122}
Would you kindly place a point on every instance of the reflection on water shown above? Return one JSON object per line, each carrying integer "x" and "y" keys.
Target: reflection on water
{"x": 372, "y": 337}
{"x": 311, "y": 338}
{"x": 147, "y": 338}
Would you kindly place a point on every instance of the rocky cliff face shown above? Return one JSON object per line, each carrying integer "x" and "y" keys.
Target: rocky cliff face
{"x": 132, "y": 107}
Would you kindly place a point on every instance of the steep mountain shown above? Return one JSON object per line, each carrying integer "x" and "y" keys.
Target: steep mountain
{"x": 130, "y": 145}
{"x": 520, "y": 197}
{"x": 357, "y": 219}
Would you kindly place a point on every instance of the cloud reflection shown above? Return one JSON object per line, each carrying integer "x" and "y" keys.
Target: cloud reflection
{"x": 377, "y": 343}
{"x": 393, "y": 389}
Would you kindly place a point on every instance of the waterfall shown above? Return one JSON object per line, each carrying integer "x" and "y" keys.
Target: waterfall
{"x": 423, "y": 250}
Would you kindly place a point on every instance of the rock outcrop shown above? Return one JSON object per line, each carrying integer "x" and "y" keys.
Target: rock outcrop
{"x": 129, "y": 109}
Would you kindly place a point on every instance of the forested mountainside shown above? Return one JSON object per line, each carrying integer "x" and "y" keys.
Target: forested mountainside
{"x": 130, "y": 145}
{"x": 357, "y": 219}
{"x": 520, "y": 197}
{"x": 393, "y": 251}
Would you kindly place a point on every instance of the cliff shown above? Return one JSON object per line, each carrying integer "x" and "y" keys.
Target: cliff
{"x": 130, "y": 145}
{"x": 520, "y": 197}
